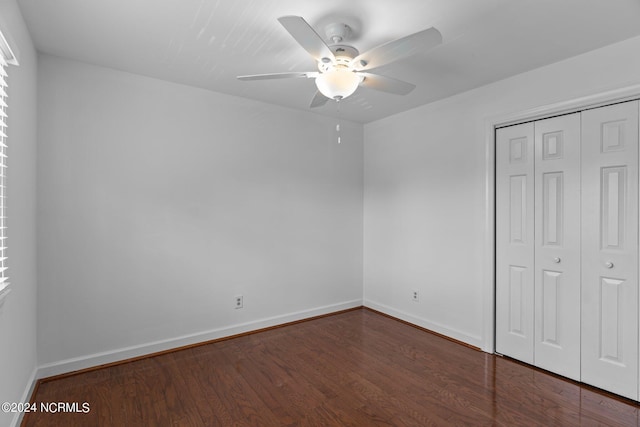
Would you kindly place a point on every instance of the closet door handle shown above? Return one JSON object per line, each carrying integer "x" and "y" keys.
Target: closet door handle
{"x": 608, "y": 264}
{"x": 557, "y": 260}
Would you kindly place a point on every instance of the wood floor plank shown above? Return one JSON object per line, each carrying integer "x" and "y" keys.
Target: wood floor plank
{"x": 357, "y": 368}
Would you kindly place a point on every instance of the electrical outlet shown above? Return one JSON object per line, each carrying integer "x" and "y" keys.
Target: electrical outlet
{"x": 239, "y": 301}
{"x": 414, "y": 296}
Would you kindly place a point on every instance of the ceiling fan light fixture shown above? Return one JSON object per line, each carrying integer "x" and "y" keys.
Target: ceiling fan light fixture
{"x": 337, "y": 84}
{"x": 342, "y": 68}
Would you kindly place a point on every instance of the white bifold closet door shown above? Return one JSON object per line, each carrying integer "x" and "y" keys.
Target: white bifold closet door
{"x": 538, "y": 243}
{"x": 567, "y": 262}
{"x": 514, "y": 241}
{"x": 610, "y": 248}
{"x": 557, "y": 245}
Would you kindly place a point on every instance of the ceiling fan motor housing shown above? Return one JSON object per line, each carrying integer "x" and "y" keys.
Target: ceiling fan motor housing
{"x": 343, "y": 53}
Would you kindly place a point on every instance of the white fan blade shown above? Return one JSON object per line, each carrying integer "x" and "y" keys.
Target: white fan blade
{"x": 397, "y": 49}
{"x": 318, "y": 100}
{"x": 385, "y": 84}
{"x": 279, "y": 76}
{"x": 307, "y": 37}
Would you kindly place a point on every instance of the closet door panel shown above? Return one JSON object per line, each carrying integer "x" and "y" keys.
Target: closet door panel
{"x": 557, "y": 245}
{"x": 610, "y": 248}
{"x": 515, "y": 241}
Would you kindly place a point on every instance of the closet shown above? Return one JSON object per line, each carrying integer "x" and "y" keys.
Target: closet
{"x": 567, "y": 245}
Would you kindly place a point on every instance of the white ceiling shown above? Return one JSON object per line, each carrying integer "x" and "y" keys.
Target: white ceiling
{"x": 206, "y": 43}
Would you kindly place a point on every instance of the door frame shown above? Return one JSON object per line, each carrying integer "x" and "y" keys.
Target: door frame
{"x": 628, "y": 93}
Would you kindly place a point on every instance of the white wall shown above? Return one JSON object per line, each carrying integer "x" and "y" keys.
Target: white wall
{"x": 158, "y": 203}
{"x": 424, "y": 208}
{"x": 18, "y": 314}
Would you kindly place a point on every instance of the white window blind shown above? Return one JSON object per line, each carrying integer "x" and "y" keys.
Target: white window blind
{"x": 6, "y": 57}
{"x": 3, "y": 175}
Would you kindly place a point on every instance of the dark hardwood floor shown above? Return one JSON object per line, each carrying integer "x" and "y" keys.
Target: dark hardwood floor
{"x": 357, "y": 368}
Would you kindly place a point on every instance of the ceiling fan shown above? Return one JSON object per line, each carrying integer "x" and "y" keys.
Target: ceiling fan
{"x": 341, "y": 68}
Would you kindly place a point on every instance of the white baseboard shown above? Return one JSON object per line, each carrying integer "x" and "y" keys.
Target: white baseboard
{"x": 473, "y": 340}
{"x": 26, "y": 395}
{"x": 97, "y": 359}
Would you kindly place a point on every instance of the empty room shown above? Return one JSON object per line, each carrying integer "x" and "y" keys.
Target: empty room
{"x": 294, "y": 212}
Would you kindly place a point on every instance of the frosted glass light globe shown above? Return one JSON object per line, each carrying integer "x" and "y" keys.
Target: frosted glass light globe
{"x": 337, "y": 84}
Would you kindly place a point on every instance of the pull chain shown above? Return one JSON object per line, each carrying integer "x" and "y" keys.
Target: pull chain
{"x": 338, "y": 125}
